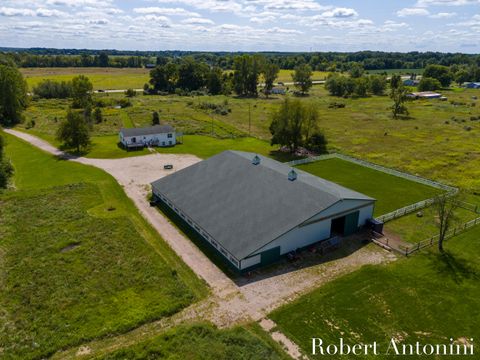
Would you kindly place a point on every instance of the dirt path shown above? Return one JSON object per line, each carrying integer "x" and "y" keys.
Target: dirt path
{"x": 232, "y": 302}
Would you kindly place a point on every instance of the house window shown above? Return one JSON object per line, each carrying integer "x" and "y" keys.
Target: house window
{"x": 134, "y": 140}
{"x": 170, "y": 142}
{"x": 163, "y": 143}
{"x": 169, "y": 136}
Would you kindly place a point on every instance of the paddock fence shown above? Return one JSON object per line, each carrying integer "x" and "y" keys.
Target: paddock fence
{"x": 407, "y": 250}
{"x": 450, "y": 190}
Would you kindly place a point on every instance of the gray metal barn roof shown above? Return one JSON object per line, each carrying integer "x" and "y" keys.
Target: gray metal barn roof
{"x": 157, "y": 129}
{"x": 245, "y": 206}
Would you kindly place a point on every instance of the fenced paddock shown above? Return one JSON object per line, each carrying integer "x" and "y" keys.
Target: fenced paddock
{"x": 398, "y": 187}
{"x": 407, "y": 250}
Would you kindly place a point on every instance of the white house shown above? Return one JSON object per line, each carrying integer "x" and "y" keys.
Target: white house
{"x": 158, "y": 135}
{"x": 253, "y": 210}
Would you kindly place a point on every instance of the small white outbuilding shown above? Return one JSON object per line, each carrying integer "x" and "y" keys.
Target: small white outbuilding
{"x": 158, "y": 135}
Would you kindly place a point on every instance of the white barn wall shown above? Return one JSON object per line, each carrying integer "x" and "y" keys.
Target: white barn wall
{"x": 254, "y": 260}
{"x": 365, "y": 214}
{"x": 302, "y": 236}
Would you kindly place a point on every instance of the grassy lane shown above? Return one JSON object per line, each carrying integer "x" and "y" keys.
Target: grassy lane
{"x": 391, "y": 192}
{"x": 202, "y": 341}
{"x": 77, "y": 259}
{"x": 428, "y": 298}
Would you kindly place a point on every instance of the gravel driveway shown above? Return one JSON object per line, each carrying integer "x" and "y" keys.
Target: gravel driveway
{"x": 232, "y": 302}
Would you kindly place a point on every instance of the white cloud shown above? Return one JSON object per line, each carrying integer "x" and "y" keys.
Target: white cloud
{"x": 412, "y": 12}
{"x": 50, "y": 13}
{"x": 7, "y": 11}
{"x": 443, "y": 15}
{"x": 340, "y": 13}
{"x": 165, "y": 11}
{"x": 198, "y": 21}
{"x": 426, "y": 3}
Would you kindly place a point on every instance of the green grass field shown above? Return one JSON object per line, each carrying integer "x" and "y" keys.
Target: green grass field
{"x": 428, "y": 298}
{"x": 117, "y": 78}
{"x": 198, "y": 342}
{"x": 78, "y": 260}
{"x": 286, "y": 75}
{"x": 391, "y": 192}
{"x": 439, "y": 140}
{"x": 101, "y": 78}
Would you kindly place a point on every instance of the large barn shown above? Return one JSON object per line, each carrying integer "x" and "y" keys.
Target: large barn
{"x": 253, "y": 209}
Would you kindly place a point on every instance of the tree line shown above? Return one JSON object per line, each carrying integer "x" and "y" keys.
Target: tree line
{"x": 187, "y": 76}
{"x": 322, "y": 61}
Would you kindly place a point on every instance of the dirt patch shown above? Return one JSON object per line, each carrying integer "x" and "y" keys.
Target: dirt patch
{"x": 70, "y": 247}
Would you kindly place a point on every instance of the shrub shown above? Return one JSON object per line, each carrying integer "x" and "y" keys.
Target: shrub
{"x": 130, "y": 93}
{"x": 429, "y": 84}
{"x": 317, "y": 143}
{"x": 49, "y": 89}
{"x": 123, "y": 103}
{"x": 336, "y": 105}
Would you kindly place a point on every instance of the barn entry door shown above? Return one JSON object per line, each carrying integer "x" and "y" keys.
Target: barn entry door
{"x": 270, "y": 256}
{"x": 351, "y": 223}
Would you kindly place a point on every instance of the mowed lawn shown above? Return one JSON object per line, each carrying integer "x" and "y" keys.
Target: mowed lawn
{"x": 428, "y": 298}
{"x": 392, "y": 192}
{"x": 101, "y": 78}
{"x": 78, "y": 260}
{"x": 201, "y": 342}
{"x": 201, "y": 146}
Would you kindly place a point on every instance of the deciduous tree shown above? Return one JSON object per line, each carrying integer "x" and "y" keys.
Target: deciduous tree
{"x": 445, "y": 211}
{"x": 74, "y": 131}
{"x": 81, "y": 91}
{"x": 270, "y": 74}
{"x": 398, "y": 94}
{"x": 302, "y": 78}
{"x": 13, "y": 95}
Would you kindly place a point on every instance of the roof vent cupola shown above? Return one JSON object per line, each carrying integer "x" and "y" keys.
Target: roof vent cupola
{"x": 292, "y": 175}
{"x": 256, "y": 160}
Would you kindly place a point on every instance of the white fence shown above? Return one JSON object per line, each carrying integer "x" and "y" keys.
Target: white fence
{"x": 434, "y": 239}
{"x": 398, "y": 212}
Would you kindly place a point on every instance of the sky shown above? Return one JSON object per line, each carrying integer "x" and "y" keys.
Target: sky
{"x": 243, "y": 25}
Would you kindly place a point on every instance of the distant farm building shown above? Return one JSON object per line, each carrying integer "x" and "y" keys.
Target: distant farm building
{"x": 158, "y": 135}
{"x": 252, "y": 210}
{"x": 150, "y": 66}
{"x": 472, "y": 85}
{"x": 411, "y": 82}
{"x": 279, "y": 91}
{"x": 425, "y": 95}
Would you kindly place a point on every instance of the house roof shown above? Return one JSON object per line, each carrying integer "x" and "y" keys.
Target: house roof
{"x": 157, "y": 129}
{"x": 245, "y": 206}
